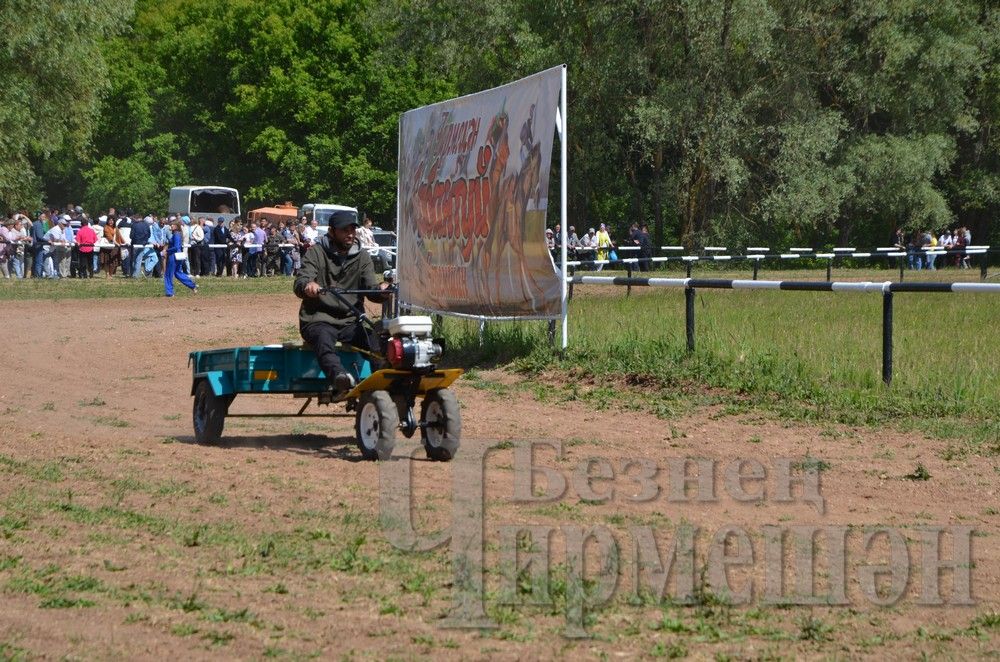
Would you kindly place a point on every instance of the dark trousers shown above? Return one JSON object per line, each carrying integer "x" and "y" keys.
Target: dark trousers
{"x": 208, "y": 261}
{"x": 645, "y": 263}
{"x": 86, "y": 265}
{"x": 194, "y": 259}
{"x": 323, "y": 338}
{"x": 221, "y": 263}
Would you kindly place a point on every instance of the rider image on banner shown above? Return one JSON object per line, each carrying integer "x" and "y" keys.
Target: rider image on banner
{"x": 473, "y": 195}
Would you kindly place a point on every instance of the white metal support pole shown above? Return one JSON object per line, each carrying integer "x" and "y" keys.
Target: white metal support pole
{"x": 563, "y": 213}
{"x": 399, "y": 207}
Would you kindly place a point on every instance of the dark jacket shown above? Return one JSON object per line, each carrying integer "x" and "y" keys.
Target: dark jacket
{"x": 221, "y": 236}
{"x": 645, "y": 243}
{"x": 324, "y": 265}
{"x": 140, "y": 233}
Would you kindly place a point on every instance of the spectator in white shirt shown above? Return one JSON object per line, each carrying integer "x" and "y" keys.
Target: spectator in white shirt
{"x": 365, "y": 234}
{"x": 945, "y": 241}
{"x": 311, "y": 233}
{"x": 19, "y": 246}
{"x": 55, "y": 247}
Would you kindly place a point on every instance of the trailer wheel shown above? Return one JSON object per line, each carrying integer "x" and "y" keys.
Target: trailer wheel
{"x": 440, "y": 424}
{"x": 209, "y": 414}
{"x": 375, "y": 425}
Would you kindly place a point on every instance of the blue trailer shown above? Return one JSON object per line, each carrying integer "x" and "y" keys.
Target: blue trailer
{"x": 382, "y": 401}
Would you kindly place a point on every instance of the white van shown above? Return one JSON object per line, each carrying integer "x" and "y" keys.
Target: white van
{"x": 321, "y": 213}
{"x": 208, "y": 201}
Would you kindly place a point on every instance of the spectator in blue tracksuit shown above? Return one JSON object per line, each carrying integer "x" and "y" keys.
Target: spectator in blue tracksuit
{"x": 176, "y": 246}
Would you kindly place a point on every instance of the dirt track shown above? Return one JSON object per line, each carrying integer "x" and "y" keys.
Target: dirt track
{"x": 186, "y": 550}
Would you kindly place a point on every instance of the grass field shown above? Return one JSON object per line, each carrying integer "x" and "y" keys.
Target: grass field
{"x": 808, "y": 355}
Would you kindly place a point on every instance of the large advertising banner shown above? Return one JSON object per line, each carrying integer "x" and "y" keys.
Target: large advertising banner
{"x": 473, "y": 193}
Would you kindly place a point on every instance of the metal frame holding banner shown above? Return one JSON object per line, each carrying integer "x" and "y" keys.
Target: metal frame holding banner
{"x": 472, "y": 203}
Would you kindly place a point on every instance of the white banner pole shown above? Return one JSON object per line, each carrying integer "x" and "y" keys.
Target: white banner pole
{"x": 563, "y": 213}
{"x": 397, "y": 307}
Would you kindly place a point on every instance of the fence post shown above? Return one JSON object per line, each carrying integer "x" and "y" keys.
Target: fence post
{"x": 755, "y": 265}
{"x": 688, "y": 265}
{"x": 829, "y": 270}
{"x": 887, "y": 337}
{"x": 982, "y": 264}
{"x": 482, "y": 330}
{"x": 628, "y": 271}
{"x": 902, "y": 263}
{"x": 689, "y": 316}
{"x": 552, "y": 333}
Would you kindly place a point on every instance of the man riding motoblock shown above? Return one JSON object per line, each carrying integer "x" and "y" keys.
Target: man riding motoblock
{"x": 335, "y": 261}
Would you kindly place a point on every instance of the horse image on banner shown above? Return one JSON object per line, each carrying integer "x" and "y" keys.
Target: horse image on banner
{"x": 472, "y": 205}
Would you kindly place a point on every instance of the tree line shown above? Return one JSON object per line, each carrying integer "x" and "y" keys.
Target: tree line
{"x": 736, "y": 121}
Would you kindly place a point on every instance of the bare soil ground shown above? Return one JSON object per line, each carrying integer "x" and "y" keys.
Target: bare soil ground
{"x": 121, "y": 537}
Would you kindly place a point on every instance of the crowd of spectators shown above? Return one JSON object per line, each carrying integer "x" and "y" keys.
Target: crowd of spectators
{"x": 923, "y": 248}
{"x": 70, "y": 243}
{"x": 597, "y": 245}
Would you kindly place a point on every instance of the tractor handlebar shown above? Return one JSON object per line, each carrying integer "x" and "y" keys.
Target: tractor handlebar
{"x": 338, "y": 293}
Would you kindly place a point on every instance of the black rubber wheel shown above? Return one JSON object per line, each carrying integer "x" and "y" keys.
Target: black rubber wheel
{"x": 440, "y": 424}
{"x": 375, "y": 425}
{"x": 209, "y": 414}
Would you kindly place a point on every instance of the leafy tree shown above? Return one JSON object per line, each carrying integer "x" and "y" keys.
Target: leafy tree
{"x": 52, "y": 74}
{"x": 138, "y": 181}
{"x": 736, "y": 121}
{"x": 283, "y": 100}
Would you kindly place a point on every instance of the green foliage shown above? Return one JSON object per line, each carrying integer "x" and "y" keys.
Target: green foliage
{"x": 751, "y": 120}
{"x": 52, "y": 74}
{"x": 732, "y": 121}
{"x": 282, "y": 100}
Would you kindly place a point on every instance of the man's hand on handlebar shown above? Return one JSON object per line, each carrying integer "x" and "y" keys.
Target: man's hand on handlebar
{"x": 385, "y": 295}
{"x": 312, "y": 290}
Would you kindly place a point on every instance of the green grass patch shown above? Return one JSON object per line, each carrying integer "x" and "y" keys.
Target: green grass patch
{"x": 55, "y": 589}
{"x": 809, "y": 356}
{"x": 93, "y": 402}
{"x": 112, "y": 422}
{"x": 810, "y": 464}
{"x": 11, "y": 653}
{"x": 920, "y": 473}
{"x": 44, "y": 471}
